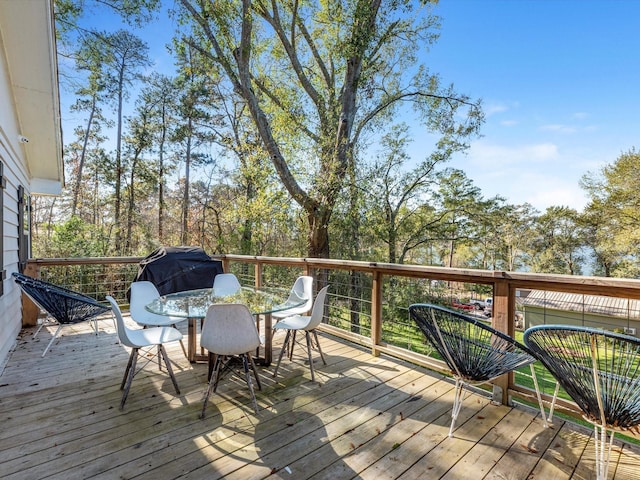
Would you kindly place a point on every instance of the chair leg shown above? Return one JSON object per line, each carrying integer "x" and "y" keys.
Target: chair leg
{"x": 211, "y": 384}
{"x": 603, "y": 451}
{"x": 55, "y": 335}
{"x": 457, "y": 404}
{"x": 285, "y": 346}
{"x": 210, "y": 363}
{"x": 169, "y": 368}
{"x": 538, "y": 396}
{"x": 247, "y": 376}
{"x": 44, "y": 322}
{"x": 545, "y": 419}
{"x": 220, "y": 365}
{"x": 291, "y": 345}
{"x": 308, "y": 339}
{"x": 315, "y": 335}
{"x": 255, "y": 371}
{"x": 132, "y": 355}
{"x": 553, "y": 402}
{"x": 131, "y": 371}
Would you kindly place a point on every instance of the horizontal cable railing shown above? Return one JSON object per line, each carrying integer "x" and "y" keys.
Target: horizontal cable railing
{"x": 368, "y": 302}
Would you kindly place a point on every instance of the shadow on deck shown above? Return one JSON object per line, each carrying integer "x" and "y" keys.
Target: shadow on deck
{"x": 365, "y": 417}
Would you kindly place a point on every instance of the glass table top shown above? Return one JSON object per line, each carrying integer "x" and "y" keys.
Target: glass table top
{"x": 195, "y": 303}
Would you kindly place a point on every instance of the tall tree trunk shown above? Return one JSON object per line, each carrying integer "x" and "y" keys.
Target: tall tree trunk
{"x": 319, "y": 232}
{"x": 118, "y": 187}
{"x": 161, "y": 201}
{"x": 83, "y": 155}
{"x": 184, "y": 234}
{"x": 132, "y": 204}
{"x": 247, "y": 225}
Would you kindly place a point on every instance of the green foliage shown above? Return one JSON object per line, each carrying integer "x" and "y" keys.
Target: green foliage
{"x": 74, "y": 238}
{"x": 610, "y": 219}
{"x": 262, "y": 145}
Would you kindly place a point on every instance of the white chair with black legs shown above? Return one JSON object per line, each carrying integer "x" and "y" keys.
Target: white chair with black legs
{"x": 147, "y": 340}
{"x": 229, "y": 331}
{"x": 302, "y": 289}
{"x": 308, "y": 324}
{"x": 225, "y": 284}
{"x": 142, "y": 293}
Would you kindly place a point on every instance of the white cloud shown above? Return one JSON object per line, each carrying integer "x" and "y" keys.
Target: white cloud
{"x": 564, "y": 193}
{"x": 483, "y": 153}
{"x": 559, "y": 128}
{"x": 530, "y": 173}
{"x": 492, "y": 109}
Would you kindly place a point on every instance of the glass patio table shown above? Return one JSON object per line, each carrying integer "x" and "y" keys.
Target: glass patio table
{"x": 193, "y": 305}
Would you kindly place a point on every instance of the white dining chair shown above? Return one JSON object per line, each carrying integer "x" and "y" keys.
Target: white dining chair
{"x": 225, "y": 284}
{"x": 142, "y": 293}
{"x": 306, "y": 323}
{"x": 146, "y": 339}
{"x": 302, "y": 289}
{"x": 229, "y": 331}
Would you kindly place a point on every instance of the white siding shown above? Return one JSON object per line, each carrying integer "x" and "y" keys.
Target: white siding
{"x": 15, "y": 174}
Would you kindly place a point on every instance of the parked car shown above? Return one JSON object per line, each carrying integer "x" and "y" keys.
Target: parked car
{"x": 457, "y": 303}
{"x": 481, "y": 304}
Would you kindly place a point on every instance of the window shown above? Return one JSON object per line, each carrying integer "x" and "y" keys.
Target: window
{"x": 3, "y": 272}
{"x": 23, "y": 228}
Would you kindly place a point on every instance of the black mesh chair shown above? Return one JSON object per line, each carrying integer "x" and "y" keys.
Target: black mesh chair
{"x": 475, "y": 352}
{"x": 600, "y": 371}
{"x": 64, "y": 306}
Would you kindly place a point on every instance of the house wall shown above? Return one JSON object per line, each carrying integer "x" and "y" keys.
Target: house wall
{"x": 544, "y": 316}
{"x": 15, "y": 174}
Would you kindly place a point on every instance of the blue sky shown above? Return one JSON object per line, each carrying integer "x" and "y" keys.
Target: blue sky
{"x": 560, "y": 83}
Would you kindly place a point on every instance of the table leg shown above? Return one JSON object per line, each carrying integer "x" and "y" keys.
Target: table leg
{"x": 268, "y": 339}
{"x": 191, "y": 341}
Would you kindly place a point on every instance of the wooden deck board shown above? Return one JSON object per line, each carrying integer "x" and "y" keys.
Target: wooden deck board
{"x": 365, "y": 417}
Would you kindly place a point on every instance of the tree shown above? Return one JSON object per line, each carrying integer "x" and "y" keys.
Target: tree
{"x": 89, "y": 58}
{"x": 193, "y": 120}
{"x": 315, "y": 77}
{"x": 461, "y": 208}
{"x": 67, "y": 12}
{"x": 612, "y": 214}
{"x": 160, "y": 94}
{"x": 505, "y": 236}
{"x": 399, "y": 198}
{"x": 127, "y": 55}
{"x": 558, "y": 241}
{"x": 140, "y": 139}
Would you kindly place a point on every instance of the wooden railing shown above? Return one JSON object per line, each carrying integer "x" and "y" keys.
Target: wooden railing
{"x": 375, "y": 300}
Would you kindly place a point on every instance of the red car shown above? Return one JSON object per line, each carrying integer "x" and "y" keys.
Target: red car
{"x": 456, "y": 303}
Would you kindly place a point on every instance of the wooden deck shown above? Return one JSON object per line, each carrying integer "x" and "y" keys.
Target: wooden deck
{"x": 364, "y": 417}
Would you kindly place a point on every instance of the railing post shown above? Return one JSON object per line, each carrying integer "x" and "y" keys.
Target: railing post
{"x": 226, "y": 264}
{"x": 258, "y": 274}
{"x": 503, "y": 310}
{"x": 376, "y": 313}
{"x": 30, "y": 311}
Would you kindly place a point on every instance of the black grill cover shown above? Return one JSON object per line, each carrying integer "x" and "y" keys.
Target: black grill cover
{"x": 175, "y": 269}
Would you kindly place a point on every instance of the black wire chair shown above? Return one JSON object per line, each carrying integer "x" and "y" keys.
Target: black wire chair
{"x": 64, "y": 306}
{"x": 600, "y": 371}
{"x": 475, "y": 352}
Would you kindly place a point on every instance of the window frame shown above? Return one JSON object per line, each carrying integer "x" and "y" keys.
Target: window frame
{"x": 24, "y": 229}
{"x": 3, "y": 185}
